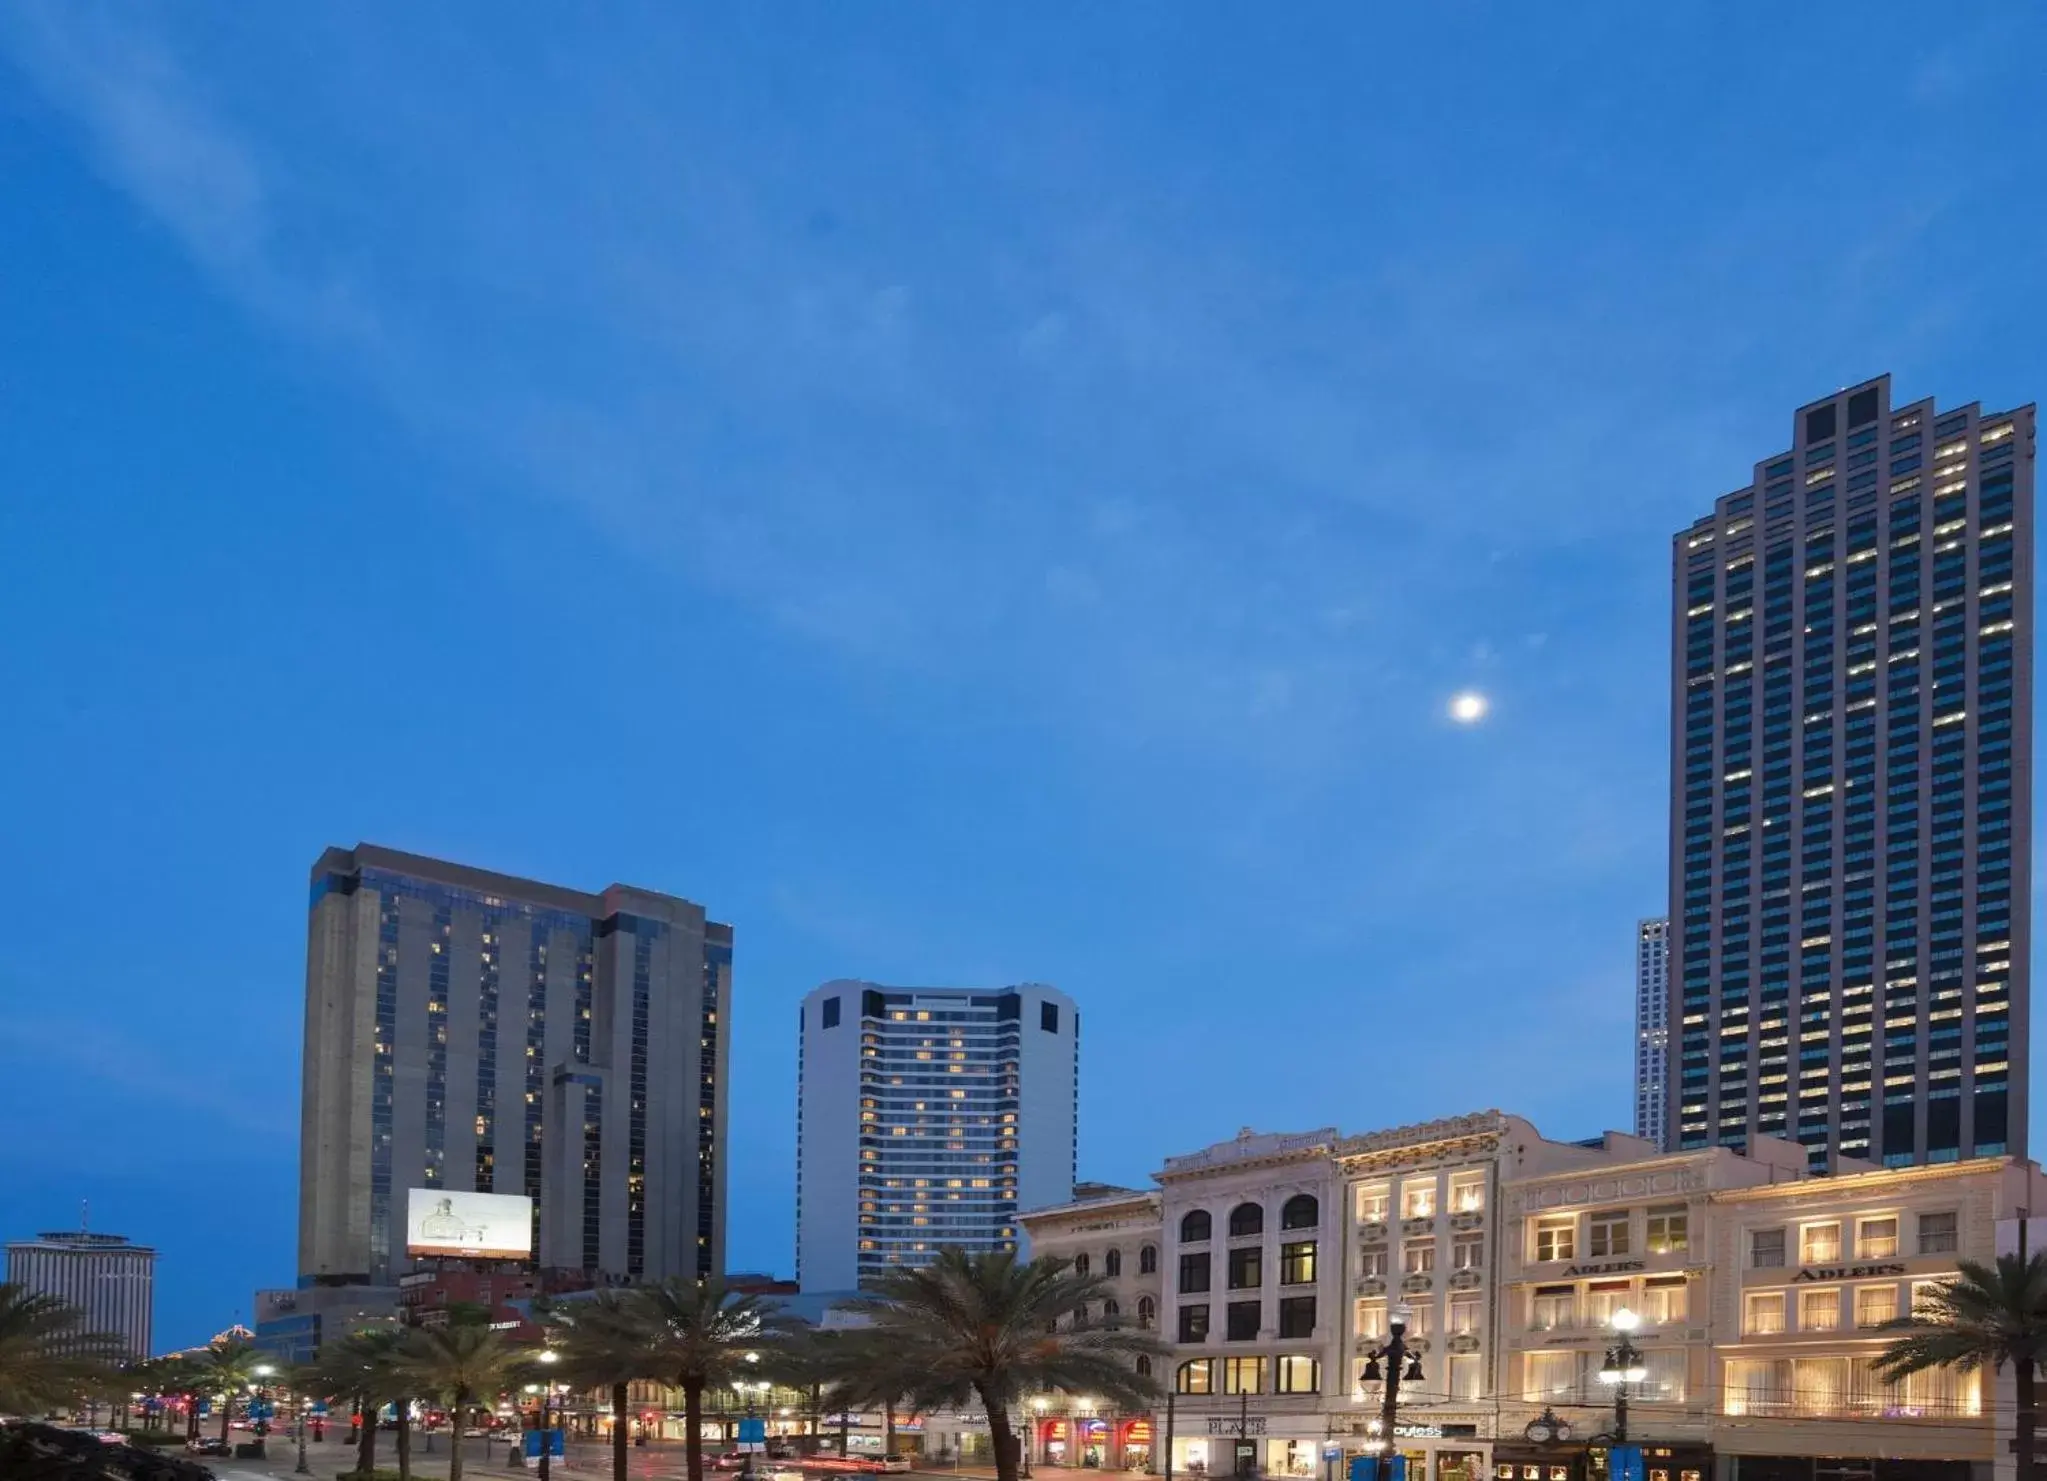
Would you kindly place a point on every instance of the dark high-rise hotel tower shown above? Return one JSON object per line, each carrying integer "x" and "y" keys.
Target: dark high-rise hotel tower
{"x": 469, "y": 1032}
{"x": 1851, "y": 798}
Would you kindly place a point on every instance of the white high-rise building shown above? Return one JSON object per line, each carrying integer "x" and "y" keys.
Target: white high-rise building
{"x": 927, "y": 1117}
{"x": 1652, "y": 1030}
{"x": 110, "y": 1280}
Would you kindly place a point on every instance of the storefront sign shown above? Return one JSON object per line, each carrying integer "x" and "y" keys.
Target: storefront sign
{"x": 1418, "y": 1431}
{"x": 1218, "y": 1425}
{"x": 1845, "y": 1272}
{"x": 1611, "y": 1267}
{"x": 1137, "y": 1432}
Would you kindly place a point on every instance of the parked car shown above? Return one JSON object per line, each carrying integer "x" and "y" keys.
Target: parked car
{"x": 209, "y": 1445}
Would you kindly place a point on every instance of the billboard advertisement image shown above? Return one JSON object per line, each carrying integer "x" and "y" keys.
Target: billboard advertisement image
{"x": 482, "y": 1226}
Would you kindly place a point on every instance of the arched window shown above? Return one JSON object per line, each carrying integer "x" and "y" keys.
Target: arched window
{"x": 1197, "y": 1377}
{"x": 1112, "y": 1313}
{"x": 1112, "y": 1263}
{"x": 1144, "y": 1367}
{"x": 1080, "y": 1315}
{"x": 1080, "y": 1264}
{"x": 1300, "y": 1212}
{"x": 1148, "y": 1260}
{"x": 1194, "y": 1228}
{"x": 1147, "y": 1313}
{"x": 1246, "y": 1218}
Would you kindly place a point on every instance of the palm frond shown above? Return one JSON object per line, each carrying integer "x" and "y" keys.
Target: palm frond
{"x": 1984, "y": 1316}
{"x": 47, "y": 1357}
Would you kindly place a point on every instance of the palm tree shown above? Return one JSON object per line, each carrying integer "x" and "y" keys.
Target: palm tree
{"x": 1981, "y": 1318}
{"x": 47, "y": 1358}
{"x": 868, "y": 1372}
{"x": 227, "y": 1369}
{"x": 460, "y": 1365}
{"x": 808, "y": 1361}
{"x": 603, "y": 1345}
{"x": 991, "y": 1327}
{"x": 361, "y": 1367}
{"x": 173, "y": 1375}
{"x": 698, "y": 1333}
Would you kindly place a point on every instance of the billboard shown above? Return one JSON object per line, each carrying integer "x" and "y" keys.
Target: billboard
{"x": 483, "y": 1226}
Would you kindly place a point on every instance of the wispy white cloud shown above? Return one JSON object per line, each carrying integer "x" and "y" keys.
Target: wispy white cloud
{"x": 865, "y": 500}
{"x": 154, "y": 134}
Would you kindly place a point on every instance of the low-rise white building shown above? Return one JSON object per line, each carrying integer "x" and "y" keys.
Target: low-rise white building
{"x": 1115, "y": 1234}
{"x": 1254, "y": 1268}
{"x": 1425, "y": 1232}
{"x": 1589, "y": 1251}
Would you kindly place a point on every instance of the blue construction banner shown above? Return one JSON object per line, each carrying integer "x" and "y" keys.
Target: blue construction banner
{"x": 753, "y": 1432}
{"x": 554, "y": 1443}
{"x": 1376, "y": 1468}
{"x": 1624, "y": 1463}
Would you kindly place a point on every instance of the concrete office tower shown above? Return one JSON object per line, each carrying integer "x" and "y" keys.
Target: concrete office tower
{"x": 1851, "y": 799}
{"x": 473, "y": 1032}
{"x": 112, "y": 1281}
{"x": 926, "y": 1117}
{"x": 1652, "y": 1030}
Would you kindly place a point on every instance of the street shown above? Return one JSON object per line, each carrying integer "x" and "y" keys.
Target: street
{"x": 586, "y": 1461}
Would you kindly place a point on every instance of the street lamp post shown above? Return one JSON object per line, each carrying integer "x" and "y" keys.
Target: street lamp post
{"x": 1623, "y": 1366}
{"x": 548, "y": 1357}
{"x": 749, "y": 1391}
{"x": 1398, "y": 1364}
{"x": 261, "y": 1427}
{"x": 304, "y": 1406}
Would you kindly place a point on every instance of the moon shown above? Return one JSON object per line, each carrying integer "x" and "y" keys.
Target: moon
{"x": 1469, "y": 707}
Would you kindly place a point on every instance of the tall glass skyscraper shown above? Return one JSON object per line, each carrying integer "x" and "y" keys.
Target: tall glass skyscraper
{"x": 1851, "y": 799}
{"x": 927, "y": 1117}
{"x": 1652, "y": 1030}
{"x": 473, "y": 1032}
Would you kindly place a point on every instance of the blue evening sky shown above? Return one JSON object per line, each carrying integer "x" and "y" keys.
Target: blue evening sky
{"x": 970, "y": 493}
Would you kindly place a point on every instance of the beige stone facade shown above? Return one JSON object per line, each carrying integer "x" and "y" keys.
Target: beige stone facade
{"x": 1424, "y": 1209}
{"x": 1115, "y": 1235}
{"x": 1759, "y": 1290}
{"x": 1631, "y": 1234}
{"x": 1811, "y": 1270}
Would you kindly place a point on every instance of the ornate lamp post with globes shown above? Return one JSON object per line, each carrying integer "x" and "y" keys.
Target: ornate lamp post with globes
{"x": 1399, "y": 1364}
{"x": 1622, "y": 1367}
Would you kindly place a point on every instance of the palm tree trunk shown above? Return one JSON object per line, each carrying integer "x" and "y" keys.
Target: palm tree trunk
{"x": 888, "y": 1429}
{"x": 1004, "y": 1438}
{"x": 366, "y": 1442}
{"x": 455, "y": 1436}
{"x": 621, "y": 1421}
{"x": 2026, "y": 1419}
{"x": 227, "y": 1410}
{"x": 693, "y": 1425}
{"x": 404, "y": 1440}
